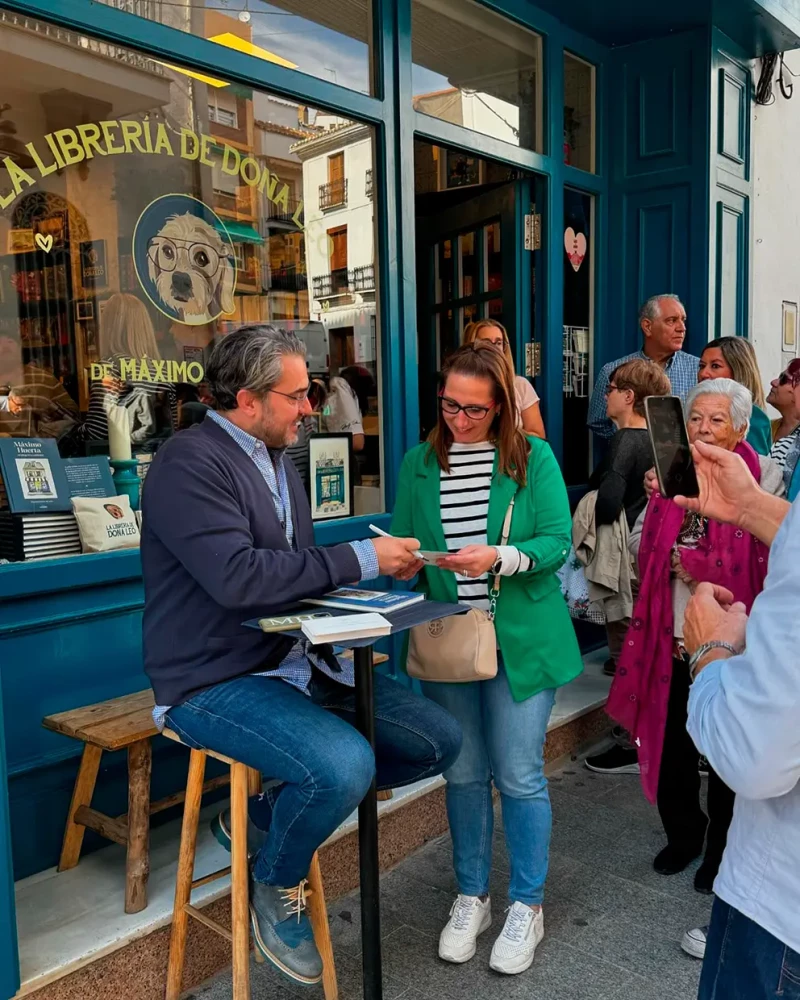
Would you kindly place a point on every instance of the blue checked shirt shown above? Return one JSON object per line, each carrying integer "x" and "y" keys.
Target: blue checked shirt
{"x": 681, "y": 371}
{"x": 295, "y": 668}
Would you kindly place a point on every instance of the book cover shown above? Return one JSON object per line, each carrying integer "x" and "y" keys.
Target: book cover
{"x": 33, "y": 474}
{"x": 344, "y": 627}
{"x": 355, "y": 599}
{"x": 89, "y": 477}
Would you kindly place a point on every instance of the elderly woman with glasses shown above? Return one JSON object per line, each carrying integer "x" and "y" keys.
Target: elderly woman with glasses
{"x": 454, "y": 494}
{"x": 676, "y": 551}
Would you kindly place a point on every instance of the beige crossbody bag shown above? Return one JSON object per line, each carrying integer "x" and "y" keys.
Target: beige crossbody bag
{"x": 461, "y": 648}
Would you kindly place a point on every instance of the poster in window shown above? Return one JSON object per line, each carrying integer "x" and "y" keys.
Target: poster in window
{"x": 93, "y": 264}
{"x": 330, "y": 476}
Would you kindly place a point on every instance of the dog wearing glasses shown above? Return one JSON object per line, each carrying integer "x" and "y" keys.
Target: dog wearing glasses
{"x": 192, "y": 268}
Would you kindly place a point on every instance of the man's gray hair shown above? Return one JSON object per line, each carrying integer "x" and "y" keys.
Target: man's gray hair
{"x": 651, "y": 309}
{"x": 740, "y": 399}
{"x": 249, "y": 358}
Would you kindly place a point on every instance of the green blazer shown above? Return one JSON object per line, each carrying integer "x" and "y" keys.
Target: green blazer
{"x": 534, "y": 629}
{"x": 759, "y": 437}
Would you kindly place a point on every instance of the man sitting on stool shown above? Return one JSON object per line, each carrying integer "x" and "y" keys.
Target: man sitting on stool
{"x": 227, "y": 535}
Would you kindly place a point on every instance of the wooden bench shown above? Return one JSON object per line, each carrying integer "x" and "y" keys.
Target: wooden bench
{"x": 120, "y": 724}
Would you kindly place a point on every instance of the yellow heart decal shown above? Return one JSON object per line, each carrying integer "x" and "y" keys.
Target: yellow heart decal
{"x": 44, "y": 242}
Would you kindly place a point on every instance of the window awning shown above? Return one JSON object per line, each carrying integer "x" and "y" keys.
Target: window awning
{"x": 240, "y": 232}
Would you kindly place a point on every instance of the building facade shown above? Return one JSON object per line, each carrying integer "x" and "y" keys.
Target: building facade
{"x": 372, "y": 174}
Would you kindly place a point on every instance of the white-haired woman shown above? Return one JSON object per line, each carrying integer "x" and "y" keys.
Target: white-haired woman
{"x": 676, "y": 550}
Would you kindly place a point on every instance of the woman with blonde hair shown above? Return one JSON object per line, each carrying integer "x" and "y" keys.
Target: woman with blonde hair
{"x": 126, "y": 333}
{"x": 454, "y": 494}
{"x": 735, "y": 358}
{"x": 494, "y": 333}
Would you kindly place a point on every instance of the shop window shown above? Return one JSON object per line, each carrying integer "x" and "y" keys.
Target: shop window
{"x": 577, "y": 337}
{"x": 138, "y": 226}
{"x": 579, "y": 137}
{"x": 474, "y": 68}
{"x": 324, "y": 38}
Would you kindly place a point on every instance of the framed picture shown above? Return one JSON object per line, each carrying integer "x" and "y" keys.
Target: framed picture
{"x": 330, "y": 459}
{"x": 460, "y": 170}
{"x": 84, "y": 310}
{"x": 789, "y": 327}
{"x": 20, "y": 241}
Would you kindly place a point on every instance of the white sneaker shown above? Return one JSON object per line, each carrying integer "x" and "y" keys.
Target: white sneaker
{"x": 694, "y": 942}
{"x": 514, "y": 950}
{"x": 469, "y": 918}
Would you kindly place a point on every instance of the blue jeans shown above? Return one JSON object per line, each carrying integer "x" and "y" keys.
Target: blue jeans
{"x": 310, "y": 744}
{"x": 745, "y": 962}
{"x": 504, "y": 741}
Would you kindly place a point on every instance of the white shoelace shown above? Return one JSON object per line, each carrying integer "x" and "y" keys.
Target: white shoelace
{"x": 463, "y": 908}
{"x": 295, "y": 898}
{"x": 517, "y": 923}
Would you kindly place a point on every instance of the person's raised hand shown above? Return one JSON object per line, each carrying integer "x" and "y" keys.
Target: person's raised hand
{"x": 395, "y": 554}
{"x": 650, "y": 482}
{"x": 726, "y": 485}
{"x": 712, "y": 615}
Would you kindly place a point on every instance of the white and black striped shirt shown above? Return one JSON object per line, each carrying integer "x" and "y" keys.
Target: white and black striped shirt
{"x": 464, "y": 496}
{"x": 781, "y": 448}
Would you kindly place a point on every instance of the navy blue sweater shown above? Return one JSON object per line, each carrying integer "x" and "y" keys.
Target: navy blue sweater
{"x": 213, "y": 555}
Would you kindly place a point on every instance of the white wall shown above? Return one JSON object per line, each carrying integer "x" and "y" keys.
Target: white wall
{"x": 356, "y": 215}
{"x": 776, "y": 221}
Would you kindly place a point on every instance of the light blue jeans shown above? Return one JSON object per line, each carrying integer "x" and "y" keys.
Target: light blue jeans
{"x": 503, "y": 741}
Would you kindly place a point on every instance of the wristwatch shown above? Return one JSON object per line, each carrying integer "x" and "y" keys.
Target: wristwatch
{"x": 706, "y": 647}
{"x": 496, "y": 566}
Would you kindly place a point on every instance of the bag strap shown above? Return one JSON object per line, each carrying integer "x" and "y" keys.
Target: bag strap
{"x": 495, "y": 588}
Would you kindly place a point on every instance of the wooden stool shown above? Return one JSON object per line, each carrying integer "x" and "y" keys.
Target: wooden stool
{"x": 117, "y": 724}
{"x": 245, "y": 781}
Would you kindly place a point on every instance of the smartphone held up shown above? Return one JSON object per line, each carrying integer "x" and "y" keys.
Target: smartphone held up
{"x": 670, "y": 441}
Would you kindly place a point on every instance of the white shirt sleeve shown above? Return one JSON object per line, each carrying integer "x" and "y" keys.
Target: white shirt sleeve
{"x": 525, "y": 393}
{"x": 744, "y": 712}
{"x": 3, "y": 404}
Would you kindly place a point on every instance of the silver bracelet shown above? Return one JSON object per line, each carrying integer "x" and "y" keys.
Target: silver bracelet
{"x": 706, "y": 647}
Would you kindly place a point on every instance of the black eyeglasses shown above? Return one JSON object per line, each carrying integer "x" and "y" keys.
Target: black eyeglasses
{"x": 786, "y": 379}
{"x": 298, "y": 398}
{"x": 473, "y": 412}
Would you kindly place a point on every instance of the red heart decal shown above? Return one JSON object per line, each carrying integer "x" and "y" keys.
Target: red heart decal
{"x": 575, "y": 245}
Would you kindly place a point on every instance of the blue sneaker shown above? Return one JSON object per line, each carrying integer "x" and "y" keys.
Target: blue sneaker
{"x": 282, "y": 931}
{"x": 221, "y": 828}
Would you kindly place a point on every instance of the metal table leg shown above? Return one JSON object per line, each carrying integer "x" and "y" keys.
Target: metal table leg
{"x": 368, "y": 836}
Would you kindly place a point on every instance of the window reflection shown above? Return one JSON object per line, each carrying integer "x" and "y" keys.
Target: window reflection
{"x": 326, "y": 38}
{"x": 578, "y": 113}
{"x": 147, "y": 210}
{"x": 474, "y": 68}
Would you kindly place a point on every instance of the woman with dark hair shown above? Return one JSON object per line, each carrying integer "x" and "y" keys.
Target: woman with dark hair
{"x": 454, "y": 495}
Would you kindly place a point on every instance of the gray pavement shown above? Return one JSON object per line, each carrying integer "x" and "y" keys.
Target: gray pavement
{"x": 612, "y": 925}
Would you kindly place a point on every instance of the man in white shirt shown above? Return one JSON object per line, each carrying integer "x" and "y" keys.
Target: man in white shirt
{"x": 744, "y": 715}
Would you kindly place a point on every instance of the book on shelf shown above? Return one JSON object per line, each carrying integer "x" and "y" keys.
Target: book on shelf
{"x": 345, "y": 628}
{"x": 356, "y": 599}
{"x": 36, "y": 479}
{"x": 38, "y": 536}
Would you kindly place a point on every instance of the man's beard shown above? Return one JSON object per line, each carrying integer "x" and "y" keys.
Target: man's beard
{"x": 275, "y": 435}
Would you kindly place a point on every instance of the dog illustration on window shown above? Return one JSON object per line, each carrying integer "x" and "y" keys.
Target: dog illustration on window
{"x": 192, "y": 269}
{"x": 184, "y": 259}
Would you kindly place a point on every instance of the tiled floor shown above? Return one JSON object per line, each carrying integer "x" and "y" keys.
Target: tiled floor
{"x": 612, "y": 924}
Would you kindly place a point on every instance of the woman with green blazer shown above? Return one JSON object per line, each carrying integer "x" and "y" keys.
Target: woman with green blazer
{"x": 453, "y": 495}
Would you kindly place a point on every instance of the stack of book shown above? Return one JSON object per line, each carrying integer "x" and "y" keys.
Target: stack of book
{"x": 38, "y": 536}
{"x": 37, "y": 486}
